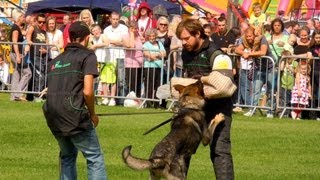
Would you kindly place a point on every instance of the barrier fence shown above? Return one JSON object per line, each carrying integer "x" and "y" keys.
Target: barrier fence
{"x": 256, "y": 78}
{"x": 290, "y": 99}
{"x": 135, "y": 74}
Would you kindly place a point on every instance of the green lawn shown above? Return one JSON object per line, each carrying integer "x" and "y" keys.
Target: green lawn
{"x": 262, "y": 148}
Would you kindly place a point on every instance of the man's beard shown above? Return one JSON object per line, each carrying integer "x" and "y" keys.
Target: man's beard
{"x": 191, "y": 47}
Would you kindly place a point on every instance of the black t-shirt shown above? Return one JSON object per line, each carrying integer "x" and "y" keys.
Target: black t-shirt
{"x": 223, "y": 40}
{"x": 20, "y": 36}
{"x": 301, "y": 49}
{"x": 65, "y": 109}
{"x": 38, "y": 36}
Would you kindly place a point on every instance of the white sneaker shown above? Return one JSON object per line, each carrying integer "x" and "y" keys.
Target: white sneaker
{"x": 269, "y": 115}
{"x": 249, "y": 113}
{"x": 293, "y": 115}
{"x": 112, "y": 102}
{"x": 105, "y": 101}
{"x": 318, "y": 119}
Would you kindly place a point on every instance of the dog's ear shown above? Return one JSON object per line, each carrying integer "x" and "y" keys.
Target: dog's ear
{"x": 179, "y": 88}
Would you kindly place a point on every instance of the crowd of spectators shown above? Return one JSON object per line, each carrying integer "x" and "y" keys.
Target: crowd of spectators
{"x": 123, "y": 71}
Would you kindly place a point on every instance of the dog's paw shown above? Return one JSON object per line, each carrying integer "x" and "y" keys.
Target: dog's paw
{"x": 219, "y": 117}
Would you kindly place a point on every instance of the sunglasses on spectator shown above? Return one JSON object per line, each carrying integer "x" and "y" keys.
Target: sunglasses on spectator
{"x": 41, "y": 22}
{"x": 163, "y": 24}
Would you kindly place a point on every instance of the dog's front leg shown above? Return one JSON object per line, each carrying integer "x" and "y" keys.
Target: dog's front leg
{"x": 208, "y": 132}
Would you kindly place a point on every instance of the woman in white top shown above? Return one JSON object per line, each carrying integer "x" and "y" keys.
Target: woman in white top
{"x": 54, "y": 37}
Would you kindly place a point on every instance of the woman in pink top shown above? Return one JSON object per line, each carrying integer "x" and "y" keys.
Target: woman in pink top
{"x": 133, "y": 59}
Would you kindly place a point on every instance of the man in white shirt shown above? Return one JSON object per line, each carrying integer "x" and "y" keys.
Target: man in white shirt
{"x": 114, "y": 33}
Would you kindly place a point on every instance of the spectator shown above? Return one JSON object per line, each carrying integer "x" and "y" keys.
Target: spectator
{"x": 288, "y": 68}
{"x": 262, "y": 75}
{"x": 315, "y": 50}
{"x": 144, "y": 19}
{"x": 67, "y": 19}
{"x": 54, "y": 37}
{"x": 302, "y": 48}
{"x": 99, "y": 43}
{"x": 159, "y": 11}
{"x": 22, "y": 73}
{"x": 223, "y": 38}
{"x": 176, "y": 45}
{"x": 36, "y": 34}
{"x": 115, "y": 33}
{"x": 277, "y": 40}
{"x": 246, "y": 64}
{"x": 301, "y": 92}
{"x": 257, "y": 18}
{"x": 295, "y": 28}
{"x": 4, "y": 73}
{"x": 311, "y": 26}
{"x": 124, "y": 20}
{"x": 303, "y": 16}
{"x": 164, "y": 35}
{"x": 154, "y": 53}
{"x": 86, "y": 16}
{"x": 133, "y": 60}
{"x": 208, "y": 30}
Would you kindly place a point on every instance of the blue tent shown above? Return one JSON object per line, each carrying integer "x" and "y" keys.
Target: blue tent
{"x": 97, "y": 6}
{"x": 73, "y": 6}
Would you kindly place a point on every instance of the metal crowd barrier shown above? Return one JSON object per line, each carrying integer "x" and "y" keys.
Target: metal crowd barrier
{"x": 251, "y": 89}
{"x": 30, "y": 76}
{"x": 284, "y": 100}
{"x": 132, "y": 75}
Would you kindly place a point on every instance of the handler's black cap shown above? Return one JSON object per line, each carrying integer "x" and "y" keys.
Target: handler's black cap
{"x": 78, "y": 29}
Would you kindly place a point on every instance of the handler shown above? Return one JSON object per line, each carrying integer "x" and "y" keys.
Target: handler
{"x": 200, "y": 57}
{"x": 69, "y": 109}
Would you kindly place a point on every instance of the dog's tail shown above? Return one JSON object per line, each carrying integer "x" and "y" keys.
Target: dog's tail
{"x": 133, "y": 162}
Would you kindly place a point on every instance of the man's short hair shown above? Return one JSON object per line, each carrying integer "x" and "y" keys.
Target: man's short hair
{"x": 193, "y": 26}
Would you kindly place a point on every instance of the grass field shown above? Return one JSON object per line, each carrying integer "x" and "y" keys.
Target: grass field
{"x": 262, "y": 148}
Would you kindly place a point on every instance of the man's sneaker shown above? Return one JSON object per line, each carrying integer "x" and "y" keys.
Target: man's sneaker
{"x": 318, "y": 119}
{"x": 112, "y": 102}
{"x": 105, "y": 101}
{"x": 249, "y": 113}
{"x": 269, "y": 115}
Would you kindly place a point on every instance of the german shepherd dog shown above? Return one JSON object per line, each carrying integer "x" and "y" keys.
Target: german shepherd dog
{"x": 170, "y": 158}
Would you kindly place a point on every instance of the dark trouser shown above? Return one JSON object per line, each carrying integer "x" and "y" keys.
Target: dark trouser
{"x": 133, "y": 80}
{"x": 152, "y": 78}
{"x": 121, "y": 84}
{"x": 285, "y": 97}
{"x": 220, "y": 149}
{"x": 38, "y": 72}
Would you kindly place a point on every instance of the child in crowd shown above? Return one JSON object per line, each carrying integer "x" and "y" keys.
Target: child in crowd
{"x": 288, "y": 68}
{"x": 99, "y": 43}
{"x": 301, "y": 91}
{"x": 4, "y": 73}
{"x": 257, "y": 18}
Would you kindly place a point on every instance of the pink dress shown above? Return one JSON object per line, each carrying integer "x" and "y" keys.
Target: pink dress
{"x": 304, "y": 98}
